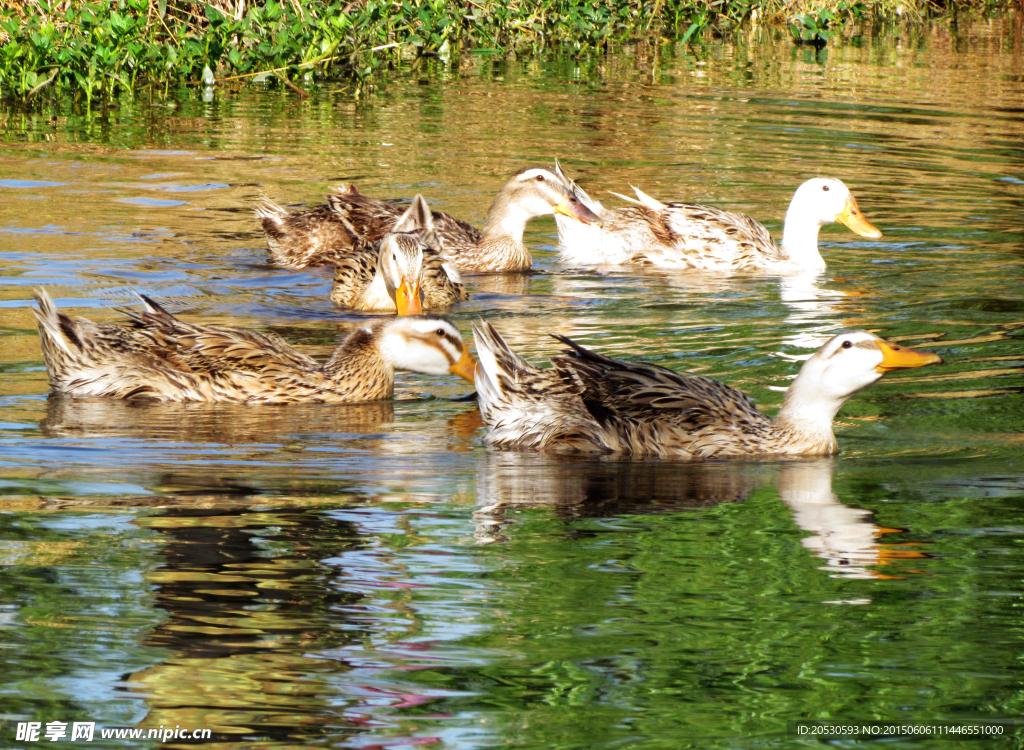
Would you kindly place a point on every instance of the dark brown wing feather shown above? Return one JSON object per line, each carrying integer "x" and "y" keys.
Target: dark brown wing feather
{"x": 208, "y": 349}
{"x": 372, "y": 218}
{"x": 645, "y": 393}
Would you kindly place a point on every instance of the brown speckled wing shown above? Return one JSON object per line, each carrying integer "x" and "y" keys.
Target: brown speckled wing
{"x": 647, "y": 394}
{"x": 373, "y": 218}
{"x": 736, "y": 239}
{"x": 306, "y": 239}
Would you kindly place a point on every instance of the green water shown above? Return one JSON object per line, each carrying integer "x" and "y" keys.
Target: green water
{"x": 372, "y": 576}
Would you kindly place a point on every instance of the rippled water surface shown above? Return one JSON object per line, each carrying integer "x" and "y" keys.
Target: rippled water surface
{"x": 371, "y": 576}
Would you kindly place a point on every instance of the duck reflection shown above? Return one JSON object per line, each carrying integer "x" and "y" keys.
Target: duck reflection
{"x": 208, "y": 423}
{"x": 845, "y": 537}
{"x": 814, "y": 311}
{"x": 504, "y": 284}
{"x": 577, "y": 486}
{"x": 245, "y": 603}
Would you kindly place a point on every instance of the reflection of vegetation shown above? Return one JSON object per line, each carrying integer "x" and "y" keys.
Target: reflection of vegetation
{"x": 70, "y": 608}
{"x": 718, "y": 624}
{"x": 96, "y": 50}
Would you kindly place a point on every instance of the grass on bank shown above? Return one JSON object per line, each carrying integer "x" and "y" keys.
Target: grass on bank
{"x": 94, "y": 50}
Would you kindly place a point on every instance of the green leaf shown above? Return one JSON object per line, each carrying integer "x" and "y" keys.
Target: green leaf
{"x": 213, "y": 15}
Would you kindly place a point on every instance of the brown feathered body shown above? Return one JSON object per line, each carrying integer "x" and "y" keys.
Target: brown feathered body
{"x": 357, "y": 220}
{"x": 159, "y": 357}
{"x": 588, "y": 402}
{"x": 591, "y": 403}
{"x": 306, "y": 239}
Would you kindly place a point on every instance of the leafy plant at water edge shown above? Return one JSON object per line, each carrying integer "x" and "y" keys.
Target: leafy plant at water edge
{"x": 98, "y": 49}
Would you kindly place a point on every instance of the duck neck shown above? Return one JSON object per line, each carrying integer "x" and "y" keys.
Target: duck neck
{"x": 362, "y": 366}
{"x": 807, "y": 414}
{"x": 800, "y": 239}
{"x": 502, "y": 247}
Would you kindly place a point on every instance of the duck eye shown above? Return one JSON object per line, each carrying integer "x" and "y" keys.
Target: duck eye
{"x": 847, "y": 344}
{"x": 825, "y": 188}
{"x": 540, "y": 178}
{"x": 440, "y": 332}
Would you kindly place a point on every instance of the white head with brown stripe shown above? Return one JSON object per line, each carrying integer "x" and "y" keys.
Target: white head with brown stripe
{"x": 846, "y": 364}
{"x": 532, "y": 192}
{"x": 428, "y": 344}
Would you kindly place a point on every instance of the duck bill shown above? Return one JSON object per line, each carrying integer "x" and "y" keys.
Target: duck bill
{"x": 854, "y": 219}
{"x": 897, "y": 358}
{"x": 407, "y": 298}
{"x": 574, "y": 208}
{"x": 465, "y": 367}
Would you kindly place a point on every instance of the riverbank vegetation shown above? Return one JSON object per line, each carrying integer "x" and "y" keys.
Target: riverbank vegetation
{"x": 96, "y": 50}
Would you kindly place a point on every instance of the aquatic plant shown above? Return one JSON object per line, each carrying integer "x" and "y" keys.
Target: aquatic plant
{"x": 96, "y": 50}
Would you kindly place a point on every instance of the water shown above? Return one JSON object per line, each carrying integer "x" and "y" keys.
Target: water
{"x": 371, "y": 576}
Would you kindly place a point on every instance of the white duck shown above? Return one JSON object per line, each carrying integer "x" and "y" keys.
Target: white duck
{"x": 683, "y": 235}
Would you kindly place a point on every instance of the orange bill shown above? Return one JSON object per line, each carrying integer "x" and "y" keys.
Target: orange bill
{"x": 465, "y": 367}
{"x": 897, "y": 358}
{"x": 570, "y": 206}
{"x": 407, "y": 298}
{"x": 854, "y": 219}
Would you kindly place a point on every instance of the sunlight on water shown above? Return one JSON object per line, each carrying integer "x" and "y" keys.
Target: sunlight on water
{"x": 371, "y": 576}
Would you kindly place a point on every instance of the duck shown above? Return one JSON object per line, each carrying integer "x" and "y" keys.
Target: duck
{"x": 322, "y": 235}
{"x": 590, "y": 403}
{"x": 405, "y": 275}
{"x": 158, "y": 357}
{"x": 683, "y": 235}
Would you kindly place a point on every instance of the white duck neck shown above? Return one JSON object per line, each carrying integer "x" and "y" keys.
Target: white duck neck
{"x": 800, "y": 237}
{"x": 808, "y": 409}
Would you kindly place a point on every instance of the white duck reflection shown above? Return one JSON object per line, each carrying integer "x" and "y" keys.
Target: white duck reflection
{"x": 815, "y": 314}
{"x": 845, "y": 537}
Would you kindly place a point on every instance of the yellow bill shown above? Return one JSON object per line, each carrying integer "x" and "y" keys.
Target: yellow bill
{"x": 898, "y": 358}
{"x": 570, "y": 206}
{"x": 407, "y": 298}
{"x": 854, "y": 219}
{"x": 465, "y": 367}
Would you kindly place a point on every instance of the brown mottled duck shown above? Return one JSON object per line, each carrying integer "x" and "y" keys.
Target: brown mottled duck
{"x": 591, "y": 403}
{"x": 322, "y": 235}
{"x": 158, "y": 357}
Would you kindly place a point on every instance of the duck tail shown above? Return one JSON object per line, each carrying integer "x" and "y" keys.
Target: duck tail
{"x": 56, "y": 330}
{"x": 268, "y": 210}
{"x": 527, "y": 407}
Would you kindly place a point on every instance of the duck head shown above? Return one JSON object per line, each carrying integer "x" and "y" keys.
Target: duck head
{"x": 847, "y": 363}
{"x": 824, "y": 200}
{"x": 400, "y": 260}
{"x": 428, "y": 344}
{"x": 533, "y": 192}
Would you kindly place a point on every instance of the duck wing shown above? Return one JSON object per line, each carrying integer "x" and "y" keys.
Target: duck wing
{"x": 372, "y": 218}
{"x": 206, "y": 349}
{"x": 709, "y": 238}
{"x": 647, "y": 393}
